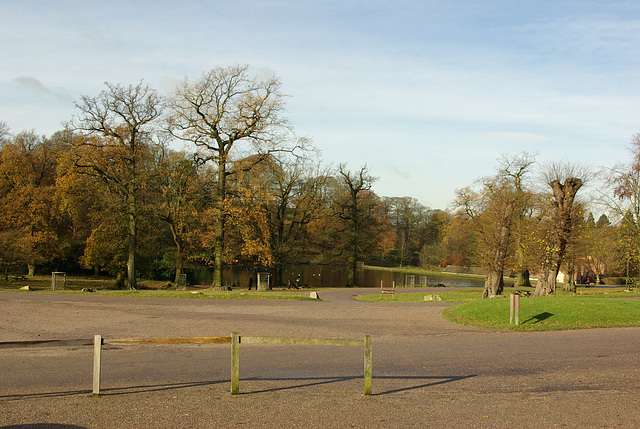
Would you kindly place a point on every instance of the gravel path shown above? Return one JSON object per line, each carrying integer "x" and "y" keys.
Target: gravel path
{"x": 427, "y": 372}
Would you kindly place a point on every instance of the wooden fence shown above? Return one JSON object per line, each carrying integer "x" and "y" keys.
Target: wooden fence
{"x": 235, "y": 339}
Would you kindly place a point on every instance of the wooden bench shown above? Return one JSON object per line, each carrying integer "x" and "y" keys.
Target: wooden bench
{"x": 391, "y": 291}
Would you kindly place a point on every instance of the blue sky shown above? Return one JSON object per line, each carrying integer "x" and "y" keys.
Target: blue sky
{"x": 427, "y": 93}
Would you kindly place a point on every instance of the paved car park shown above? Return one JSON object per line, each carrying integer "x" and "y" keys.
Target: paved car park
{"x": 427, "y": 372}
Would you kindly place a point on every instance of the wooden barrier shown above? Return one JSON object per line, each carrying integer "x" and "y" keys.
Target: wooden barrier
{"x": 180, "y": 340}
{"x": 235, "y": 339}
{"x": 46, "y": 343}
{"x": 99, "y": 341}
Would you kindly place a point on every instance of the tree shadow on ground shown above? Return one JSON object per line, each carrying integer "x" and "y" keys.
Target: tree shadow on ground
{"x": 42, "y": 426}
{"x": 113, "y": 391}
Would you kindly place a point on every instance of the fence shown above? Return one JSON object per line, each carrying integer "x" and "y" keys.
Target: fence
{"x": 235, "y": 339}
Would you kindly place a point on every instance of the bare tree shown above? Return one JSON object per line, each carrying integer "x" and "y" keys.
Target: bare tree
{"x": 357, "y": 209}
{"x": 409, "y": 219}
{"x": 5, "y": 133}
{"x": 226, "y": 111}
{"x": 121, "y": 116}
{"x": 564, "y": 179}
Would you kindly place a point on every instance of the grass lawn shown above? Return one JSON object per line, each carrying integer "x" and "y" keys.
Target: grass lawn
{"x": 146, "y": 288}
{"x": 460, "y": 295}
{"x": 549, "y": 313}
{"x": 589, "y": 308}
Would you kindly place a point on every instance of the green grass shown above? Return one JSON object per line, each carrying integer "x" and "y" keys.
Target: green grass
{"x": 147, "y": 289}
{"x": 207, "y": 294}
{"x": 460, "y": 295}
{"x": 588, "y": 308}
{"x": 549, "y": 313}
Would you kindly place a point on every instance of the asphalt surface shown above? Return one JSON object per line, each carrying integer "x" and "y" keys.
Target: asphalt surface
{"x": 427, "y": 372}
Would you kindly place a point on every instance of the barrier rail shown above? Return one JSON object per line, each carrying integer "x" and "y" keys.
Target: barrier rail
{"x": 235, "y": 339}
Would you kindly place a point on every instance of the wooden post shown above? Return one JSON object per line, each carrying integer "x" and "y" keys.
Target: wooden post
{"x": 514, "y": 308}
{"x": 97, "y": 357}
{"x": 368, "y": 365}
{"x": 511, "y": 308}
{"x": 235, "y": 363}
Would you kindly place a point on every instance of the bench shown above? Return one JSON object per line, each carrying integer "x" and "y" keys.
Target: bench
{"x": 391, "y": 291}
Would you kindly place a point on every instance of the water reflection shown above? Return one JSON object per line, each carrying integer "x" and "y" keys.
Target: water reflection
{"x": 317, "y": 276}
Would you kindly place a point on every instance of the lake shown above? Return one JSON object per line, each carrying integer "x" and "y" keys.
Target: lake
{"x": 319, "y": 276}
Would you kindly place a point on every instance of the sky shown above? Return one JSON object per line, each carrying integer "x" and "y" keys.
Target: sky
{"x": 427, "y": 94}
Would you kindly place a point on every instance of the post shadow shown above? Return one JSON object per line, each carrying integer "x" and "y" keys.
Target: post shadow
{"x": 539, "y": 317}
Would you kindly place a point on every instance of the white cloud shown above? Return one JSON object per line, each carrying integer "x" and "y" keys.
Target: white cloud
{"x": 429, "y": 94}
{"x": 33, "y": 84}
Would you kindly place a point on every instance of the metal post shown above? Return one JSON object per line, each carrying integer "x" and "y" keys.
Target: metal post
{"x": 368, "y": 365}
{"x": 235, "y": 363}
{"x": 97, "y": 358}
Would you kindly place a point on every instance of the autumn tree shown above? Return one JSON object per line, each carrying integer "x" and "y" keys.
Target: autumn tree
{"x": 431, "y": 250}
{"x": 288, "y": 191}
{"x": 600, "y": 248}
{"x": 621, "y": 198}
{"x": 458, "y": 241}
{"x": 228, "y": 114}
{"x": 28, "y": 170}
{"x": 628, "y": 239}
{"x": 184, "y": 195}
{"x": 113, "y": 144}
{"x": 493, "y": 209}
{"x": 565, "y": 180}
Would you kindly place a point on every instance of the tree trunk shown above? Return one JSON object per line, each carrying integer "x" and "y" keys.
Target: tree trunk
{"x": 493, "y": 284}
{"x": 179, "y": 257}
{"x": 218, "y": 245}
{"x": 132, "y": 238}
{"x": 277, "y": 274}
{"x": 569, "y": 285}
{"x": 522, "y": 278}
{"x": 32, "y": 270}
{"x": 353, "y": 266}
{"x": 546, "y": 282}
{"x": 179, "y": 266}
